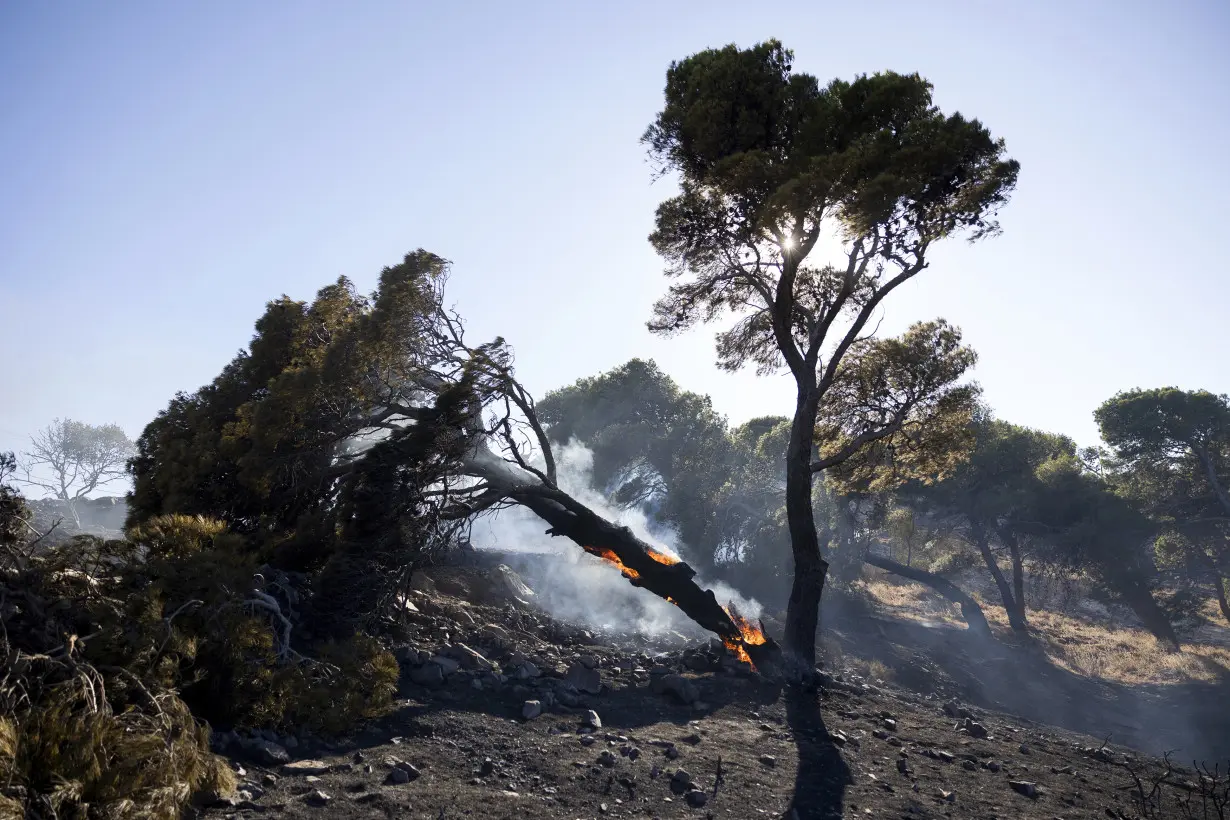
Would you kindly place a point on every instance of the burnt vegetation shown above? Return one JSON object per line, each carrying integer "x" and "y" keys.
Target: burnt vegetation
{"x": 269, "y": 579}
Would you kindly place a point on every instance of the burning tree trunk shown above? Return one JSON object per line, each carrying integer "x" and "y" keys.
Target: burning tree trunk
{"x": 643, "y": 566}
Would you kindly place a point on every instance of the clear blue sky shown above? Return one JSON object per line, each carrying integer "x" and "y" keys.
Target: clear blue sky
{"x": 167, "y": 168}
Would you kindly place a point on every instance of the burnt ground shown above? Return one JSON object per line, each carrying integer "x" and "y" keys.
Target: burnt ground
{"x": 912, "y": 748}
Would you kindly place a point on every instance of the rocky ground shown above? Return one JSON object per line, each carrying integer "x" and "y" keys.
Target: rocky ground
{"x": 506, "y": 714}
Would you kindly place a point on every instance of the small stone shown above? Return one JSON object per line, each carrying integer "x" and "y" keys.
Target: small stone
{"x": 587, "y": 740}
{"x": 681, "y": 781}
{"x": 591, "y": 720}
{"x": 606, "y": 758}
{"x": 969, "y": 765}
{"x": 531, "y": 709}
{"x": 397, "y": 777}
{"x": 486, "y": 767}
{"x": 903, "y": 765}
{"x": 696, "y": 798}
{"x": 269, "y": 779}
{"x": 951, "y": 797}
{"x": 317, "y": 798}
{"x": 671, "y": 753}
{"x": 890, "y": 724}
{"x": 1025, "y": 749}
{"x": 768, "y": 760}
{"x": 992, "y": 766}
{"x": 1024, "y": 787}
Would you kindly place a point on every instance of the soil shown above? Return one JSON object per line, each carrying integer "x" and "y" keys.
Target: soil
{"x": 751, "y": 748}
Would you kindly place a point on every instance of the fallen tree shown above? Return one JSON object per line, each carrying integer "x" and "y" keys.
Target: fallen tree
{"x": 970, "y": 610}
{"x": 359, "y": 434}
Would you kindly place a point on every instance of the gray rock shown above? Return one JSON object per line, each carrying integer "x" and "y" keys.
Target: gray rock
{"x": 696, "y": 798}
{"x": 591, "y": 720}
{"x": 607, "y": 758}
{"x": 430, "y": 675}
{"x": 266, "y": 751}
{"x": 681, "y": 781}
{"x": 588, "y": 661}
{"x": 584, "y": 678}
{"x": 317, "y": 798}
{"x": 677, "y": 685}
{"x": 397, "y": 777}
{"x": 306, "y": 767}
{"x": 447, "y": 665}
{"x": 768, "y": 760}
{"x": 1024, "y": 787}
{"x": 470, "y": 659}
{"x": 975, "y": 729}
{"x": 531, "y": 709}
{"x": 1025, "y": 750}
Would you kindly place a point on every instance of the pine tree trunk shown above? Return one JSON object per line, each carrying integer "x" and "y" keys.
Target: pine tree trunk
{"x": 1005, "y": 591}
{"x": 810, "y": 568}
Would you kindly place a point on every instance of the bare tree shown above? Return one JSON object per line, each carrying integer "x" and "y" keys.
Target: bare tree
{"x": 71, "y": 459}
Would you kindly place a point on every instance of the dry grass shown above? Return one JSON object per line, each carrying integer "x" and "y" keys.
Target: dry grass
{"x": 1101, "y": 648}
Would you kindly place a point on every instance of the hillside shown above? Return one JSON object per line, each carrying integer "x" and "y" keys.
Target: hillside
{"x": 495, "y": 717}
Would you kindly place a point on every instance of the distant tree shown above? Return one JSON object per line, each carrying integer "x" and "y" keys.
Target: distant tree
{"x": 656, "y": 446}
{"x": 770, "y": 164}
{"x": 990, "y": 491}
{"x": 71, "y": 459}
{"x": 1026, "y": 492}
{"x": 1167, "y": 426}
{"x": 1172, "y": 460}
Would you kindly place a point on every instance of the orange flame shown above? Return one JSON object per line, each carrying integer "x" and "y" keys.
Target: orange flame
{"x": 750, "y": 633}
{"x": 608, "y": 555}
{"x": 663, "y": 558}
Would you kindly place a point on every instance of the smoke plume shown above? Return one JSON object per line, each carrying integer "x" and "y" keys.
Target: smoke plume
{"x": 580, "y": 588}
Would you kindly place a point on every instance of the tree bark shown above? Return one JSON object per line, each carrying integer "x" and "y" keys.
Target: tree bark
{"x": 810, "y": 568}
{"x": 1220, "y": 585}
{"x": 970, "y": 610}
{"x": 1005, "y": 591}
{"x": 1018, "y": 574}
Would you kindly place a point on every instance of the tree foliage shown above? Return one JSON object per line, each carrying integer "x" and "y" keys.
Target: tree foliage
{"x": 1171, "y": 459}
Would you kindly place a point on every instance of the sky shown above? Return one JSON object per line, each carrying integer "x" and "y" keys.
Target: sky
{"x": 168, "y": 168}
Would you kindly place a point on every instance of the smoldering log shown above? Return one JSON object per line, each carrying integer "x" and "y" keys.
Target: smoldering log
{"x": 672, "y": 581}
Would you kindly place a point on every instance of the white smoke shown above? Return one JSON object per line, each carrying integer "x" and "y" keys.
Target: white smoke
{"x": 580, "y": 588}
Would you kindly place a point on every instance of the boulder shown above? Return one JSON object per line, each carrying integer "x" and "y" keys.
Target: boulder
{"x": 429, "y": 675}
{"x": 677, "y": 685}
{"x": 584, "y": 678}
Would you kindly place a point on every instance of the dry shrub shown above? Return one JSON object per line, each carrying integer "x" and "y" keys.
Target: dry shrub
{"x": 82, "y": 757}
{"x": 96, "y": 727}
